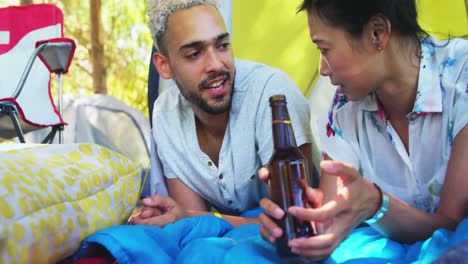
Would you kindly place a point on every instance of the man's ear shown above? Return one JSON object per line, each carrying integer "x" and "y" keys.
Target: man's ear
{"x": 162, "y": 65}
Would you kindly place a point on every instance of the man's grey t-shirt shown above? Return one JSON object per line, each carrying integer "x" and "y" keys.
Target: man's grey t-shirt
{"x": 233, "y": 186}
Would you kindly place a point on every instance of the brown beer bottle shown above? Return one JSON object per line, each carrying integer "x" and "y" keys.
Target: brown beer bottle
{"x": 289, "y": 176}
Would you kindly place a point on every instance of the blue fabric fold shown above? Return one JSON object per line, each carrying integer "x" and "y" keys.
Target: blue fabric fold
{"x": 208, "y": 239}
{"x": 150, "y": 244}
{"x": 366, "y": 245}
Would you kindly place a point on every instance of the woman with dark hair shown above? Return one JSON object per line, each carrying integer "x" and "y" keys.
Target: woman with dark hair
{"x": 395, "y": 138}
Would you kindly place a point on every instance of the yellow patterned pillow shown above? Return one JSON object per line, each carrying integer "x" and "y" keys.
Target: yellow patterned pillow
{"x": 54, "y": 196}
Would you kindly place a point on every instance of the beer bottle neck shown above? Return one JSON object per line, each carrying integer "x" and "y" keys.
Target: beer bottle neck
{"x": 283, "y": 133}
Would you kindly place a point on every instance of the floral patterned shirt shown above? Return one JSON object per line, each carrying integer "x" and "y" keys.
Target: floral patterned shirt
{"x": 359, "y": 133}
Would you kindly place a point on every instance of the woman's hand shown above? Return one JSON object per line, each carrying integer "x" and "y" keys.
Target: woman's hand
{"x": 354, "y": 200}
{"x": 269, "y": 229}
{"x": 160, "y": 211}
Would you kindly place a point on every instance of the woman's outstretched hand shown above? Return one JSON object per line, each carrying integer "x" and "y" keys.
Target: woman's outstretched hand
{"x": 353, "y": 201}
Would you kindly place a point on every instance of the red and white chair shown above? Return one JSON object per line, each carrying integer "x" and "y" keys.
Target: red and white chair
{"x": 26, "y": 102}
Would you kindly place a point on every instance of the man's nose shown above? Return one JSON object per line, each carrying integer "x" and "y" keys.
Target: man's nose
{"x": 324, "y": 68}
{"x": 214, "y": 61}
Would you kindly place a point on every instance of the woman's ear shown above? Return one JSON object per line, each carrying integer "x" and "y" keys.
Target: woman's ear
{"x": 380, "y": 29}
{"x": 162, "y": 65}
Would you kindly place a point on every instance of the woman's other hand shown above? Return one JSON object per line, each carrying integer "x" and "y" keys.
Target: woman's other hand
{"x": 159, "y": 211}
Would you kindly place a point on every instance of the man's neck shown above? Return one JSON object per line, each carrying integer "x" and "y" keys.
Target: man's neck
{"x": 210, "y": 133}
{"x": 215, "y": 125}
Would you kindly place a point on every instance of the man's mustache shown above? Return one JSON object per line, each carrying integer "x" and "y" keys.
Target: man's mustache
{"x": 205, "y": 82}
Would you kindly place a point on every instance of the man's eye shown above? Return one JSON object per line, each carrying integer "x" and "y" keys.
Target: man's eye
{"x": 193, "y": 55}
{"x": 224, "y": 46}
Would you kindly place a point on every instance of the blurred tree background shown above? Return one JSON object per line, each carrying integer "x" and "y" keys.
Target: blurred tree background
{"x": 112, "y": 56}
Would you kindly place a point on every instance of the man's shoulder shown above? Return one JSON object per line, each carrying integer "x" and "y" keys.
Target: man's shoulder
{"x": 249, "y": 65}
{"x": 169, "y": 105}
{"x": 168, "y": 99}
{"x": 258, "y": 74}
{"x": 246, "y": 68}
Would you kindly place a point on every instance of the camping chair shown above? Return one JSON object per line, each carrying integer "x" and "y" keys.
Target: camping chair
{"x": 26, "y": 102}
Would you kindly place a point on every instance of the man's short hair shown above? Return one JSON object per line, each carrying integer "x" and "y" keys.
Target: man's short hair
{"x": 159, "y": 12}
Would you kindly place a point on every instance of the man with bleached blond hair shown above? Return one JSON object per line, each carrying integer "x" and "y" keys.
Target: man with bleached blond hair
{"x": 213, "y": 131}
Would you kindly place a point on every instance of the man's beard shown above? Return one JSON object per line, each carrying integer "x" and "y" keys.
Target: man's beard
{"x": 220, "y": 108}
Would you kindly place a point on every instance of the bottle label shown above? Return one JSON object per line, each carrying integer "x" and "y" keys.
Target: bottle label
{"x": 288, "y": 190}
{"x": 282, "y": 122}
{"x": 292, "y": 174}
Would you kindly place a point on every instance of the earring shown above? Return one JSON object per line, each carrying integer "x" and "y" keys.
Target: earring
{"x": 375, "y": 41}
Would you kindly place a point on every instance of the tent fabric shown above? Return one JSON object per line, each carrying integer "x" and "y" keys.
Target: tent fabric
{"x": 153, "y": 86}
{"x": 104, "y": 120}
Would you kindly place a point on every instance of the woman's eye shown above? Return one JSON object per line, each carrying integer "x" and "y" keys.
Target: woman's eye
{"x": 322, "y": 50}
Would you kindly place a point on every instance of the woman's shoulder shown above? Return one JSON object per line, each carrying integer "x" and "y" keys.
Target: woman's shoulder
{"x": 449, "y": 58}
{"x": 447, "y": 52}
{"x": 456, "y": 45}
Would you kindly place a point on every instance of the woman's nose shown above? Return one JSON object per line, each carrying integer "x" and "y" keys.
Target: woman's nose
{"x": 324, "y": 68}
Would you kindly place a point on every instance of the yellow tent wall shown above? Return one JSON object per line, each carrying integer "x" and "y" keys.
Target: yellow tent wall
{"x": 271, "y": 32}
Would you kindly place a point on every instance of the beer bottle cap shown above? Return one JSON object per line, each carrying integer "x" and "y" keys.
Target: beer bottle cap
{"x": 277, "y": 98}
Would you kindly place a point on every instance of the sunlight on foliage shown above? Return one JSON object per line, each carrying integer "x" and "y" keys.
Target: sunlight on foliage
{"x": 127, "y": 47}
